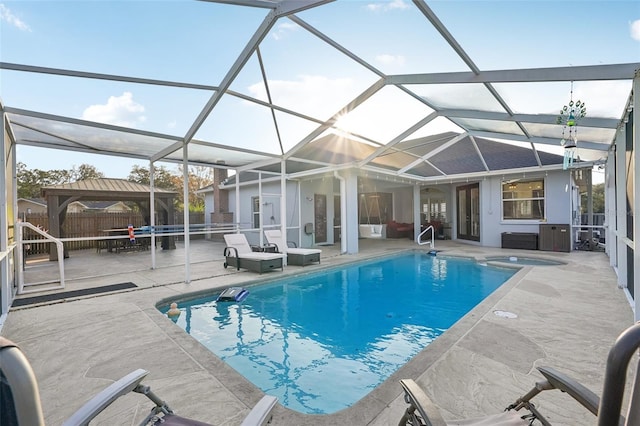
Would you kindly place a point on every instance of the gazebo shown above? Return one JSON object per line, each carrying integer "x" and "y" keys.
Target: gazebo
{"x": 60, "y": 196}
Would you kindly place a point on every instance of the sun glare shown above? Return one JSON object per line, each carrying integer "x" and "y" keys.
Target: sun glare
{"x": 345, "y": 125}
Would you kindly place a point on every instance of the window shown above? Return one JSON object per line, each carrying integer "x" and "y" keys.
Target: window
{"x": 435, "y": 210}
{"x": 523, "y": 200}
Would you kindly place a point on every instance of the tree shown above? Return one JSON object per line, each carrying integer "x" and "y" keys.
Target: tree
{"x": 199, "y": 177}
{"x": 598, "y": 199}
{"x": 162, "y": 177}
{"x": 84, "y": 172}
{"x": 30, "y": 182}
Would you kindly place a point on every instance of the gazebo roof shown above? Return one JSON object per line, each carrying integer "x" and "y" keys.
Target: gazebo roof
{"x": 106, "y": 189}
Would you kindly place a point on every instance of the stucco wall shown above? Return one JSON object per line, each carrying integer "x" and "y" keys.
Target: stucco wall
{"x": 557, "y": 207}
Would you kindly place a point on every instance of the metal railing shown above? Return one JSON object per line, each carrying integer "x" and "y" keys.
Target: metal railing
{"x": 20, "y": 259}
{"x": 419, "y": 239}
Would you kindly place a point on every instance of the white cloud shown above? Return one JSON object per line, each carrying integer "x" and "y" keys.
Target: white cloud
{"x": 391, "y": 59}
{"x": 283, "y": 29}
{"x": 388, "y": 5}
{"x": 7, "y": 16}
{"x": 119, "y": 111}
{"x": 635, "y": 29}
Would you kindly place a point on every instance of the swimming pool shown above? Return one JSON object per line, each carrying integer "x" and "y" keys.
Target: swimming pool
{"x": 321, "y": 341}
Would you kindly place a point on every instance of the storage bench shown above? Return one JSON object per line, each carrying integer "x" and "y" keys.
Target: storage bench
{"x": 520, "y": 240}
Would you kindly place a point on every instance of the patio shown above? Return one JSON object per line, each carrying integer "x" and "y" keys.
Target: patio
{"x": 479, "y": 366}
{"x": 423, "y": 92}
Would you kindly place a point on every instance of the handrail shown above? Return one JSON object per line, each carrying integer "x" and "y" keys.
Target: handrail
{"x": 20, "y": 253}
{"x": 419, "y": 239}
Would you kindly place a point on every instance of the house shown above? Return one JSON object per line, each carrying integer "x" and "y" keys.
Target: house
{"x": 98, "y": 207}
{"x": 505, "y": 189}
{"x": 31, "y": 205}
{"x": 39, "y": 205}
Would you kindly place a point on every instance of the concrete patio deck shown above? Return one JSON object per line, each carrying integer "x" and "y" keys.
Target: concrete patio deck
{"x": 568, "y": 316}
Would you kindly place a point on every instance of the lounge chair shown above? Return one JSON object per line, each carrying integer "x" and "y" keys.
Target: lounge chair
{"x": 422, "y": 411}
{"x": 239, "y": 254}
{"x": 20, "y": 398}
{"x": 295, "y": 255}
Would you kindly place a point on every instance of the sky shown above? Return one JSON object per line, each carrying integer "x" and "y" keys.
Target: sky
{"x": 197, "y": 42}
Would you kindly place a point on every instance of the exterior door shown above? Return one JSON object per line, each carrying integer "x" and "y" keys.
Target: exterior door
{"x": 320, "y": 212}
{"x": 468, "y": 201}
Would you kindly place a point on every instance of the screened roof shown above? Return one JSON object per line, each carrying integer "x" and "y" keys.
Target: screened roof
{"x": 408, "y": 89}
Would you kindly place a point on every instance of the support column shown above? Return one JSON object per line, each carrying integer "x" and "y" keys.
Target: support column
{"x": 634, "y": 119}
{"x": 416, "y": 212}
{"x": 610, "y": 209}
{"x": 590, "y": 208}
{"x": 6, "y": 296}
{"x": 283, "y": 200}
{"x": 621, "y": 210}
{"x": 350, "y": 225}
{"x": 185, "y": 209}
{"x": 152, "y": 213}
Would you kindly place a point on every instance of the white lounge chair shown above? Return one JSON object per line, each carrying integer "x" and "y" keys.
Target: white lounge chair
{"x": 295, "y": 255}
{"x": 239, "y": 254}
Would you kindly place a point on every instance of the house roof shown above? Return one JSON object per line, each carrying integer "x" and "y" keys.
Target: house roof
{"x": 392, "y": 109}
{"x": 426, "y": 156}
{"x": 39, "y": 201}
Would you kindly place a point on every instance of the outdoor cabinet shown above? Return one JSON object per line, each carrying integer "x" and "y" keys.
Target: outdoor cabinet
{"x": 520, "y": 240}
{"x": 555, "y": 237}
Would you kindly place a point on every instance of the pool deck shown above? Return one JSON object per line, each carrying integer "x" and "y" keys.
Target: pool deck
{"x": 568, "y": 316}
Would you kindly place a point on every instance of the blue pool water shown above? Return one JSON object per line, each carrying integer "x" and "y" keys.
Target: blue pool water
{"x": 322, "y": 341}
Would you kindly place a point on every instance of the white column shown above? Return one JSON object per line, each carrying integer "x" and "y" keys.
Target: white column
{"x": 610, "y": 213}
{"x": 350, "y": 225}
{"x": 636, "y": 195}
{"x": 283, "y": 200}
{"x": 185, "y": 194}
{"x": 416, "y": 212}
{"x": 621, "y": 210}
{"x": 343, "y": 213}
{"x": 237, "y": 219}
{"x": 152, "y": 213}
{"x": 6, "y": 292}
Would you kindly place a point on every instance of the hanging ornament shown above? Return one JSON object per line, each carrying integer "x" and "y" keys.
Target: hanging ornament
{"x": 569, "y": 117}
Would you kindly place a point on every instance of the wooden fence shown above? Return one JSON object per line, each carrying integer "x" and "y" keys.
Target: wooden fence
{"x": 91, "y": 224}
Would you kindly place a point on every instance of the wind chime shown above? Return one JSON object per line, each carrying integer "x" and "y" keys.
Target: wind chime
{"x": 569, "y": 117}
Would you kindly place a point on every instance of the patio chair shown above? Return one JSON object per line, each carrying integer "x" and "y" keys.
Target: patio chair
{"x": 20, "y": 398}
{"x": 295, "y": 255}
{"x": 239, "y": 254}
{"x": 422, "y": 411}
